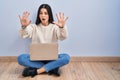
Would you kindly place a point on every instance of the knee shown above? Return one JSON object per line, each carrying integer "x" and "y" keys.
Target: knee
{"x": 66, "y": 59}
{"x": 21, "y": 58}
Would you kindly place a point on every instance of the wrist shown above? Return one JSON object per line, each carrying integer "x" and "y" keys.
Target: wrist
{"x": 61, "y": 27}
{"x": 23, "y": 27}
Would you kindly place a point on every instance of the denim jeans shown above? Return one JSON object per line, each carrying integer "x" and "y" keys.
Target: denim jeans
{"x": 63, "y": 59}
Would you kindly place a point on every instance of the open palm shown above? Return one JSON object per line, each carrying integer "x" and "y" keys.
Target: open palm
{"x": 61, "y": 20}
{"x": 24, "y": 19}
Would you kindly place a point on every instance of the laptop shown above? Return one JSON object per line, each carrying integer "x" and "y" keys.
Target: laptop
{"x": 43, "y": 51}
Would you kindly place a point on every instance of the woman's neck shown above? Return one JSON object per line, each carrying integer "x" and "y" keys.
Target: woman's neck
{"x": 46, "y": 24}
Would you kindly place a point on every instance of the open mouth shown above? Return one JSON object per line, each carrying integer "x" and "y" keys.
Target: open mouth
{"x": 43, "y": 19}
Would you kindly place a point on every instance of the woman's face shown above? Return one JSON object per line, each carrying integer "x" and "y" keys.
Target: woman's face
{"x": 44, "y": 17}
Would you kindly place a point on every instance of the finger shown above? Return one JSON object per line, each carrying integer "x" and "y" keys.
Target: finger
{"x": 53, "y": 22}
{"x": 29, "y": 21}
{"x": 66, "y": 19}
{"x": 63, "y": 15}
{"x": 57, "y": 17}
{"x": 60, "y": 15}
{"x": 24, "y": 13}
{"x": 56, "y": 24}
{"x": 19, "y": 17}
{"x": 27, "y": 14}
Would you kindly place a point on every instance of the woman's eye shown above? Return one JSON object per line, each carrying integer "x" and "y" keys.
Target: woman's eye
{"x": 46, "y": 13}
{"x": 40, "y": 13}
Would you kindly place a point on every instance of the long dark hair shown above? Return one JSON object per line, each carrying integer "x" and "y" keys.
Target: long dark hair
{"x": 49, "y": 10}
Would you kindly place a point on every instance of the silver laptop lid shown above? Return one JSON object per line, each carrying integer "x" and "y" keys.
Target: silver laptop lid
{"x": 43, "y": 51}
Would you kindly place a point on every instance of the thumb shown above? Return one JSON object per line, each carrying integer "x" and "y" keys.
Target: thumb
{"x": 56, "y": 23}
{"x": 29, "y": 21}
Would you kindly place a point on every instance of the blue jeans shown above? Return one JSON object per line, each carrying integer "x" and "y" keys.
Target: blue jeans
{"x": 63, "y": 59}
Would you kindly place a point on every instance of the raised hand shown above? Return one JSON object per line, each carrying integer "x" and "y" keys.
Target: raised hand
{"x": 61, "y": 20}
{"x": 24, "y": 19}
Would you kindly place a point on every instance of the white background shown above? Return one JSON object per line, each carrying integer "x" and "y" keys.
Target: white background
{"x": 93, "y": 25}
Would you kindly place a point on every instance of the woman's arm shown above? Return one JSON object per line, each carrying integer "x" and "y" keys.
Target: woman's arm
{"x": 62, "y": 32}
{"x": 26, "y": 28}
{"x": 27, "y": 32}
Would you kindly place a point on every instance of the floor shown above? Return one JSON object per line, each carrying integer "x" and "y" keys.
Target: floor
{"x": 73, "y": 71}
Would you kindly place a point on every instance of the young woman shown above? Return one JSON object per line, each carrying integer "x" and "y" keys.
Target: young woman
{"x": 43, "y": 31}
